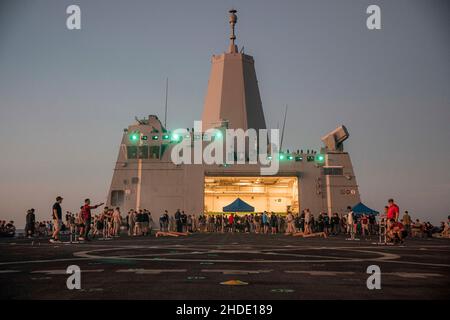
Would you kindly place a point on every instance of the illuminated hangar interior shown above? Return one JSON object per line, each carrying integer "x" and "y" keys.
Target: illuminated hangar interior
{"x": 269, "y": 193}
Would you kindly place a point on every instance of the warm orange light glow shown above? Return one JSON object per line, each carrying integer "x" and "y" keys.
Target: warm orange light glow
{"x": 277, "y": 194}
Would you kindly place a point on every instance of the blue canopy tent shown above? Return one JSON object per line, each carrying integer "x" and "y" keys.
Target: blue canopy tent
{"x": 238, "y": 205}
{"x": 361, "y": 208}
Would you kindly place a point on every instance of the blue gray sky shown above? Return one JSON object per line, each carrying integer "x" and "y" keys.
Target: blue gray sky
{"x": 65, "y": 96}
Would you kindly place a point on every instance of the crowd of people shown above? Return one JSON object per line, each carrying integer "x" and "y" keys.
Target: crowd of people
{"x": 110, "y": 223}
{"x": 394, "y": 227}
{"x": 264, "y": 223}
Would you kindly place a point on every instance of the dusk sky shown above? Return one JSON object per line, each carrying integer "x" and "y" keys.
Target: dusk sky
{"x": 65, "y": 96}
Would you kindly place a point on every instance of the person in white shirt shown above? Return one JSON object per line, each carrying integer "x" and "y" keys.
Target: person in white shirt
{"x": 290, "y": 224}
{"x": 350, "y": 223}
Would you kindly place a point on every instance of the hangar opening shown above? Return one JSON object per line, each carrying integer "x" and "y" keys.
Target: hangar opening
{"x": 275, "y": 193}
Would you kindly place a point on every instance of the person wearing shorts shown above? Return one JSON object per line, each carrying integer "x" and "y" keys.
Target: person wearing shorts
{"x": 257, "y": 221}
{"x": 80, "y": 223}
{"x": 351, "y": 225}
{"x": 406, "y": 220}
{"x": 290, "y": 223}
{"x": 264, "y": 222}
{"x": 138, "y": 223}
{"x": 57, "y": 219}
{"x": 117, "y": 221}
{"x": 273, "y": 223}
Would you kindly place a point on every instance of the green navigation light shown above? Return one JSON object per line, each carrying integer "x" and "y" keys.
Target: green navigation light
{"x": 320, "y": 159}
{"x": 281, "y": 156}
{"x": 165, "y": 137}
{"x": 155, "y": 137}
{"x": 290, "y": 157}
{"x": 134, "y": 137}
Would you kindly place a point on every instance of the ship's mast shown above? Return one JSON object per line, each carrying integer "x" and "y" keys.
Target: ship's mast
{"x": 284, "y": 125}
{"x": 165, "y": 108}
{"x": 233, "y": 20}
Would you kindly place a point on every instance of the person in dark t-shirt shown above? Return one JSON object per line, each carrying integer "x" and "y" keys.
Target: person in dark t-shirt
{"x": 30, "y": 223}
{"x": 57, "y": 219}
{"x": 178, "y": 221}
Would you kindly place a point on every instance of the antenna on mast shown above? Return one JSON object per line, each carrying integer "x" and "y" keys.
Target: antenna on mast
{"x": 165, "y": 108}
{"x": 233, "y": 20}
{"x": 284, "y": 125}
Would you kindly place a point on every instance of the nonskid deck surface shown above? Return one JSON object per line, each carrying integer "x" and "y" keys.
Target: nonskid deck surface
{"x": 272, "y": 266}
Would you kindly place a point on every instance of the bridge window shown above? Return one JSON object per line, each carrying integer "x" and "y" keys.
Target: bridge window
{"x": 143, "y": 152}
{"x": 154, "y": 152}
{"x": 117, "y": 198}
{"x": 132, "y": 152}
{"x": 333, "y": 171}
